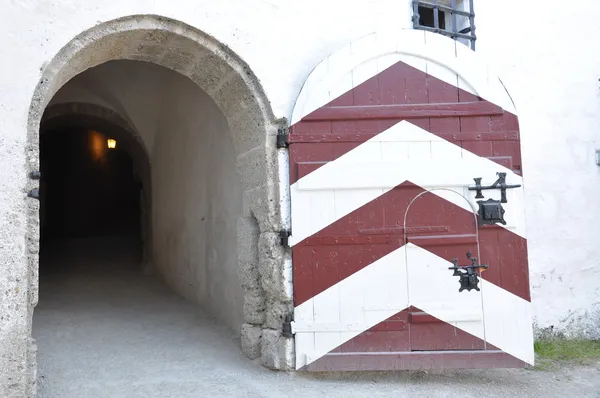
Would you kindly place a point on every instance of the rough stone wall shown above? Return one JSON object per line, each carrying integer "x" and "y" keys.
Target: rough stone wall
{"x": 553, "y": 81}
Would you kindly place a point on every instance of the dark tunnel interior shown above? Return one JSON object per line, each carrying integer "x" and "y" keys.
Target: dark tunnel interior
{"x": 89, "y": 192}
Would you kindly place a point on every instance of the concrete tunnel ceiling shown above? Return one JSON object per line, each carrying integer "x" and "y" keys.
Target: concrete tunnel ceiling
{"x": 211, "y": 145}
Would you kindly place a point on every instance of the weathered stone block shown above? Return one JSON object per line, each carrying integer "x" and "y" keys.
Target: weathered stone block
{"x": 252, "y": 167}
{"x": 277, "y": 352}
{"x": 276, "y": 311}
{"x": 254, "y": 307}
{"x": 248, "y": 233}
{"x": 262, "y": 201}
{"x": 209, "y": 72}
{"x": 275, "y": 271}
{"x": 251, "y": 336}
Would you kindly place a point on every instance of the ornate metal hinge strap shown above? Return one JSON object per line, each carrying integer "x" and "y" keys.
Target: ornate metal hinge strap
{"x": 468, "y": 277}
{"x": 499, "y": 184}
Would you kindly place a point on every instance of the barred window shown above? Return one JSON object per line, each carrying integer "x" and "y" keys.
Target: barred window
{"x": 453, "y": 18}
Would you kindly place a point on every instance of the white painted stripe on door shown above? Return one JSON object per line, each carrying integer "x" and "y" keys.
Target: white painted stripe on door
{"x": 508, "y": 322}
{"x": 363, "y": 174}
{"x": 425, "y": 173}
{"x": 431, "y": 53}
{"x": 391, "y": 284}
{"x": 381, "y": 285}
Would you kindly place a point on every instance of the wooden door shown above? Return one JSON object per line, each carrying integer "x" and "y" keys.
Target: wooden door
{"x": 387, "y": 137}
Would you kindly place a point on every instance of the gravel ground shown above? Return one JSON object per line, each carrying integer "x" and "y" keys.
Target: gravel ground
{"x": 105, "y": 330}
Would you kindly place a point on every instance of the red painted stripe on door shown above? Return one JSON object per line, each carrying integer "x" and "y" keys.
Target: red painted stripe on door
{"x": 318, "y": 267}
{"x": 415, "y": 360}
{"x": 410, "y": 330}
{"x": 397, "y": 86}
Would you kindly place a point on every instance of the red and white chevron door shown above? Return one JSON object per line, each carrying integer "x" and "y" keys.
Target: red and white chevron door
{"x": 387, "y": 136}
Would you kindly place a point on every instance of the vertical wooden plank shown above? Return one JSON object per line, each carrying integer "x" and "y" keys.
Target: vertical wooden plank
{"x": 351, "y": 307}
{"x": 308, "y": 152}
{"x": 338, "y": 149}
{"x": 304, "y": 341}
{"x": 394, "y": 151}
{"x": 478, "y": 124}
{"x": 327, "y": 309}
{"x": 349, "y": 199}
{"x": 508, "y": 322}
{"x": 479, "y": 148}
{"x": 422, "y": 123}
{"x": 392, "y": 84}
{"x": 443, "y": 151}
{"x": 419, "y": 150}
{"x": 338, "y": 74}
{"x": 510, "y": 149}
{"x": 320, "y": 207}
{"x": 442, "y": 92}
{"x": 365, "y": 152}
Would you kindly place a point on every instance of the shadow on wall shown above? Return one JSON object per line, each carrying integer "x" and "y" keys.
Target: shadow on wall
{"x": 197, "y": 200}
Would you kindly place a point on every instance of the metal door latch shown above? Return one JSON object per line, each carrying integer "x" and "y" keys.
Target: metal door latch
{"x": 499, "y": 184}
{"x": 491, "y": 212}
{"x": 468, "y": 273}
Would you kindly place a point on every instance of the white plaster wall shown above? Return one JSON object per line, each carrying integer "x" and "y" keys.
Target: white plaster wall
{"x": 551, "y": 72}
{"x": 197, "y": 200}
{"x": 553, "y": 77}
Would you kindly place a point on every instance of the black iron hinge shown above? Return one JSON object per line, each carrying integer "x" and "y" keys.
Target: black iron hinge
{"x": 34, "y": 193}
{"x": 35, "y": 175}
{"x": 284, "y": 237}
{"x": 282, "y": 138}
{"x": 286, "y": 328}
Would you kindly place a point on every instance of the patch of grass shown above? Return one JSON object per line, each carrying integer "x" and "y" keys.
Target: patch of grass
{"x": 550, "y": 353}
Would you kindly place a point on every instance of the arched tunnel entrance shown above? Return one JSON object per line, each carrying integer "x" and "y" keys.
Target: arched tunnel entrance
{"x": 108, "y": 219}
{"x": 146, "y": 245}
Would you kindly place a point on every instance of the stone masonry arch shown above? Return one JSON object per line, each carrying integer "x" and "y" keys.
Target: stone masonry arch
{"x": 229, "y": 81}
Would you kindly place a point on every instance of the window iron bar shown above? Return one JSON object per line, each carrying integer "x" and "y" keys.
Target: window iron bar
{"x": 447, "y": 33}
{"x": 436, "y": 15}
{"x": 472, "y": 24}
{"x": 442, "y": 7}
{"x": 453, "y": 4}
{"x": 465, "y": 33}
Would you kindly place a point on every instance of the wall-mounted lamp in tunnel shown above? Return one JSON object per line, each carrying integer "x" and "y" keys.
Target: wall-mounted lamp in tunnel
{"x": 112, "y": 143}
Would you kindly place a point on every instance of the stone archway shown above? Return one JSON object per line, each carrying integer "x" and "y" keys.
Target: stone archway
{"x": 232, "y": 86}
